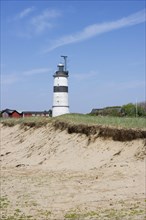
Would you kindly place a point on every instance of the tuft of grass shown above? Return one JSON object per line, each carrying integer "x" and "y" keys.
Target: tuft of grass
{"x": 72, "y": 216}
{"x": 91, "y": 214}
{"x": 136, "y": 212}
{"x": 17, "y": 210}
{"x": 4, "y": 202}
{"x": 46, "y": 213}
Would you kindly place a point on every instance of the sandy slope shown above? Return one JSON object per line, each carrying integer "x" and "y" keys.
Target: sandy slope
{"x": 49, "y": 174}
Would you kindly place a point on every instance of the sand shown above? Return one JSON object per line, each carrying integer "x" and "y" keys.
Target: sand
{"x": 50, "y": 174}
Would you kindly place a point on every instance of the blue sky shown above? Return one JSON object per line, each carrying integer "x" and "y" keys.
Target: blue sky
{"x": 104, "y": 42}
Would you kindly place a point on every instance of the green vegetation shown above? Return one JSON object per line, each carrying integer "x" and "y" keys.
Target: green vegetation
{"x": 86, "y": 119}
{"x": 127, "y": 210}
{"x": 47, "y": 213}
{"x": 122, "y": 122}
{"x": 74, "y": 215}
{"x": 128, "y": 110}
{"x": 27, "y": 121}
{"x": 105, "y": 214}
{"x": 18, "y": 217}
{"x": 3, "y": 202}
{"x": 132, "y": 110}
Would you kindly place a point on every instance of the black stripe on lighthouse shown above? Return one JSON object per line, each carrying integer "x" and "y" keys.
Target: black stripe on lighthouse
{"x": 60, "y": 88}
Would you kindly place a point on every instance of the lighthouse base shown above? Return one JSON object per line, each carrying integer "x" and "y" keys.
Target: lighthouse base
{"x": 60, "y": 110}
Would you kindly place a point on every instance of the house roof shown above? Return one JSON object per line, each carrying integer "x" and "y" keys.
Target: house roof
{"x": 35, "y": 112}
{"x": 94, "y": 110}
{"x": 117, "y": 108}
{"x": 9, "y": 111}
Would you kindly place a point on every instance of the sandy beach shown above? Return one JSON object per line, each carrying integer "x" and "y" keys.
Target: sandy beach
{"x": 50, "y": 174}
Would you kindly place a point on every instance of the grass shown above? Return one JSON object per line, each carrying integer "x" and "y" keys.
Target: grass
{"x": 126, "y": 212}
{"x": 106, "y": 214}
{"x": 17, "y": 217}
{"x": 118, "y": 122}
{"x": 74, "y": 215}
{"x": 18, "y": 214}
{"x": 3, "y": 202}
{"x": 28, "y": 121}
{"x": 122, "y": 122}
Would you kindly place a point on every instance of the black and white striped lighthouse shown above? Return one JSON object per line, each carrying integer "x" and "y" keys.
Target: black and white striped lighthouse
{"x": 60, "y": 93}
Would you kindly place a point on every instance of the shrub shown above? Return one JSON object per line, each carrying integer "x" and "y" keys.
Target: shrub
{"x": 132, "y": 110}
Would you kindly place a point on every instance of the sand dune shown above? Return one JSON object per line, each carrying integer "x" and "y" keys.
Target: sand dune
{"x": 50, "y": 174}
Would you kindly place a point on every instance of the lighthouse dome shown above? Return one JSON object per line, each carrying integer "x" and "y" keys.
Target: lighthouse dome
{"x": 60, "y": 64}
{"x": 60, "y": 67}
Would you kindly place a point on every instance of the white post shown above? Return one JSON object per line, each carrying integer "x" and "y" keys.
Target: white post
{"x": 136, "y": 108}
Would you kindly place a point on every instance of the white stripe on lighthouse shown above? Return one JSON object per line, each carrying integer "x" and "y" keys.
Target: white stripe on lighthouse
{"x": 60, "y": 81}
{"x": 60, "y": 99}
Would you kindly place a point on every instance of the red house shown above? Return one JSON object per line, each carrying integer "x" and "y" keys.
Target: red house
{"x": 8, "y": 113}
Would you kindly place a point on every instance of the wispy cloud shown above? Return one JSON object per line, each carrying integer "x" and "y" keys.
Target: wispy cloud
{"x": 84, "y": 76}
{"x": 24, "y": 13}
{"x": 36, "y": 71}
{"x": 11, "y": 78}
{"x": 37, "y": 23}
{"x": 97, "y": 29}
{"x": 44, "y": 20}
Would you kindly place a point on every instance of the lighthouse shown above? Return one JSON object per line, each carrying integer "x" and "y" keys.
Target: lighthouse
{"x": 60, "y": 91}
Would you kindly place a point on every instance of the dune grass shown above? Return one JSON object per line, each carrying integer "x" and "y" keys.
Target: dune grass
{"x": 27, "y": 121}
{"x": 118, "y": 122}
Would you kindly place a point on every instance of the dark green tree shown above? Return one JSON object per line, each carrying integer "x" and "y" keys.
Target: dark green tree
{"x": 133, "y": 110}
{"x": 129, "y": 110}
{"x": 50, "y": 112}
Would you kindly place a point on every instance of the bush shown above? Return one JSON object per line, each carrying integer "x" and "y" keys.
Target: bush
{"x": 109, "y": 111}
{"x": 132, "y": 110}
{"x": 129, "y": 110}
